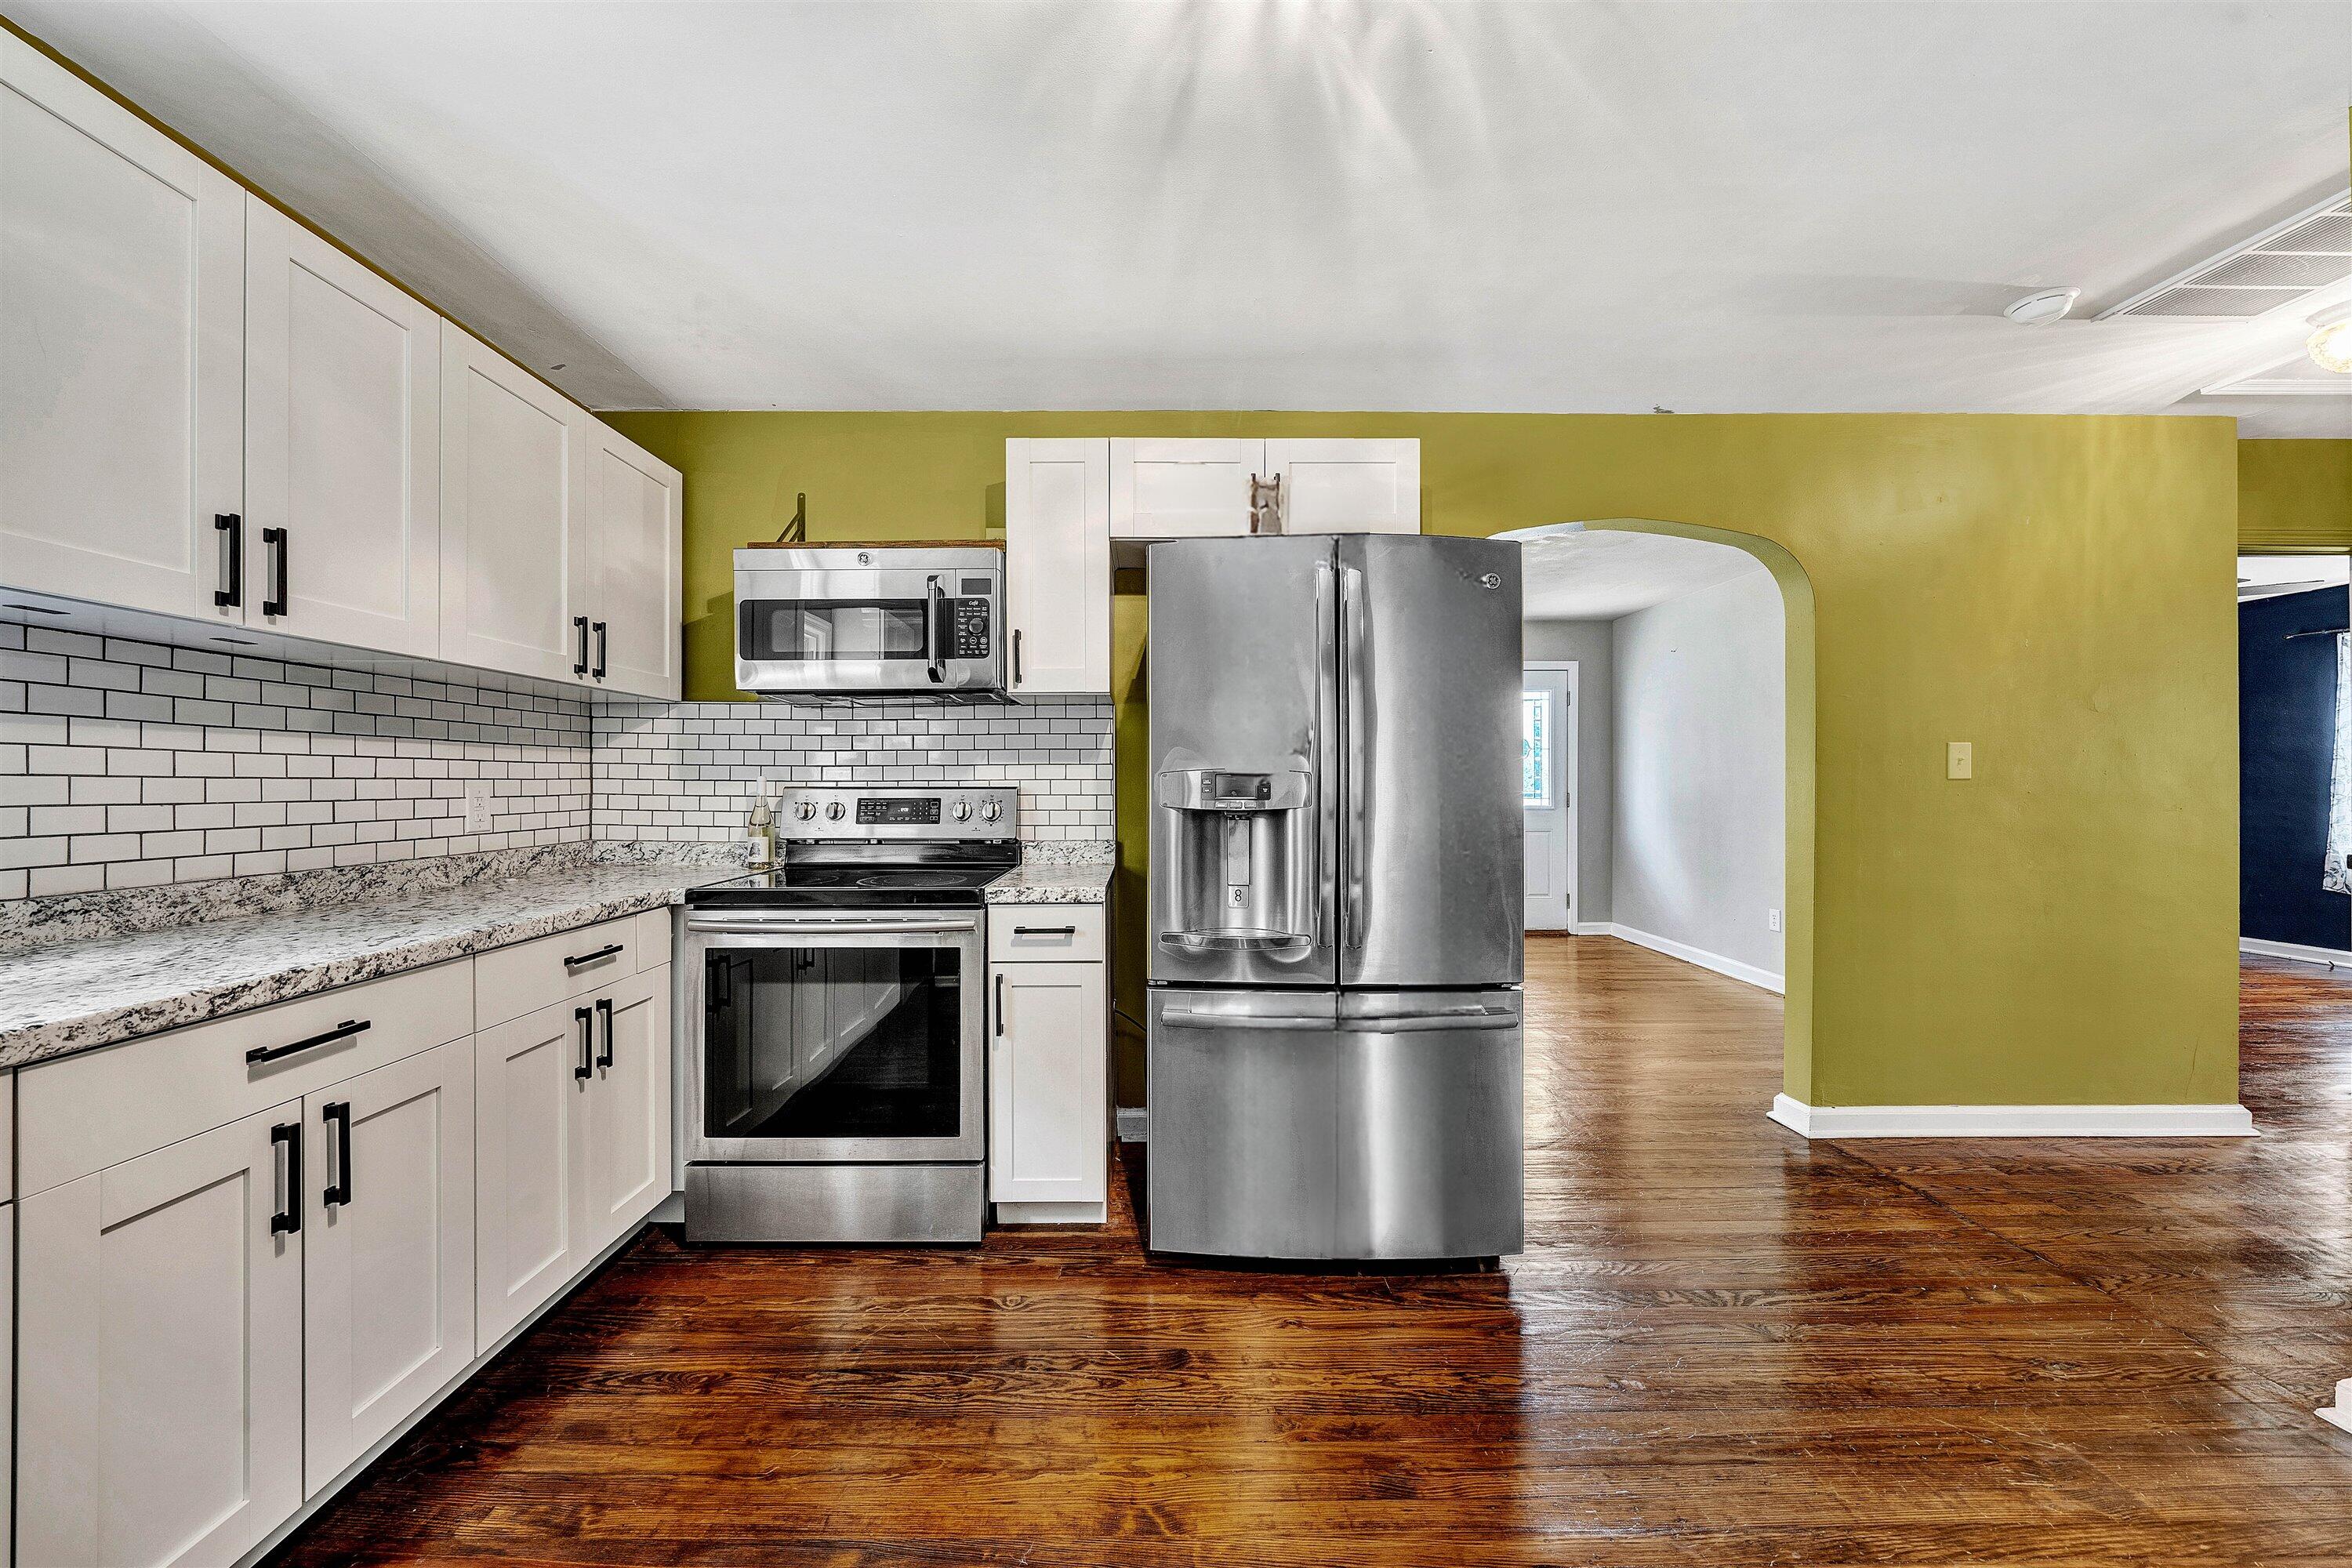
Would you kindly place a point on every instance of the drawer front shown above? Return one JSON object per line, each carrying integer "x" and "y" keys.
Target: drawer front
{"x": 85, "y": 1113}
{"x": 8, "y": 1139}
{"x": 654, "y": 937}
{"x": 1052, "y": 933}
{"x": 509, "y": 982}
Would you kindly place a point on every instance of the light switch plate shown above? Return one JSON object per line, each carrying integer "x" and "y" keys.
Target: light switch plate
{"x": 1959, "y": 760}
{"x": 478, "y": 805}
{"x": 1771, "y": 919}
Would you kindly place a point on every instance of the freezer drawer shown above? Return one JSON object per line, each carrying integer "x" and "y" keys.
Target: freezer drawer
{"x": 1335, "y": 1125}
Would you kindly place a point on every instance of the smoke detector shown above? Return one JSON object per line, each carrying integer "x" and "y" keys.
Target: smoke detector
{"x": 2041, "y": 309}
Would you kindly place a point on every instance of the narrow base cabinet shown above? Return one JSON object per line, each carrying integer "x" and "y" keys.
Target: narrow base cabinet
{"x": 160, "y": 1336}
{"x": 1049, "y": 1064}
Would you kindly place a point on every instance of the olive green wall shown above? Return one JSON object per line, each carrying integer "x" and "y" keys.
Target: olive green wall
{"x": 2055, "y": 589}
{"x": 2294, "y": 498}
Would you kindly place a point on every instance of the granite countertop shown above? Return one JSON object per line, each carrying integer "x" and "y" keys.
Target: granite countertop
{"x": 59, "y": 997}
{"x": 1065, "y": 882}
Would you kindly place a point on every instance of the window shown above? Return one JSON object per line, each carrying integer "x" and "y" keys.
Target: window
{"x": 1538, "y": 761}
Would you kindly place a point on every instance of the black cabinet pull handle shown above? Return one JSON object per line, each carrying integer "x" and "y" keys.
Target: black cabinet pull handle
{"x": 578, "y": 959}
{"x": 232, "y": 569}
{"x": 1044, "y": 931}
{"x": 599, "y": 671}
{"x": 605, "y": 1014}
{"x": 585, "y": 1018}
{"x": 342, "y": 1031}
{"x": 273, "y": 540}
{"x": 289, "y": 1219}
{"x": 1000, "y": 1004}
{"x": 579, "y": 624}
{"x": 339, "y": 1191}
{"x": 1016, "y": 656}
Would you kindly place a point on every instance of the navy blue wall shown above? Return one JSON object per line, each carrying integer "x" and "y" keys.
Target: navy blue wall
{"x": 2286, "y": 728}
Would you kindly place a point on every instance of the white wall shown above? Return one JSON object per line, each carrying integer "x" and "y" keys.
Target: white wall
{"x": 1588, "y": 644}
{"x": 1699, "y": 721}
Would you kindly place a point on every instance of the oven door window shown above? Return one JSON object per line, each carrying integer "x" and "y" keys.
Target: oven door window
{"x": 821, "y": 631}
{"x": 832, "y": 1042}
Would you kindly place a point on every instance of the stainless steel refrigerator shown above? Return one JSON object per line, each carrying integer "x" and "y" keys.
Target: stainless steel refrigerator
{"x": 1334, "y": 1033}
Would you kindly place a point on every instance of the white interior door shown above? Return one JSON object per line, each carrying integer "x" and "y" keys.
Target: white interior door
{"x": 1547, "y": 793}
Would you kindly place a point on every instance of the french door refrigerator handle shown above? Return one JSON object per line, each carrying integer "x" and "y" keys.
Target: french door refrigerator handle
{"x": 1321, "y": 748}
{"x": 1352, "y": 731}
{"x": 1399, "y": 1024}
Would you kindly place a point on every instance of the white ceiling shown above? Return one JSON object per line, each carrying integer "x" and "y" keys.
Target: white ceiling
{"x": 1570, "y": 574}
{"x": 1404, "y": 205}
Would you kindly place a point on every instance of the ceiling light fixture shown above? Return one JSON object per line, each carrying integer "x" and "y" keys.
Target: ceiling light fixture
{"x": 2331, "y": 346}
{"x": 2041, "y": 309}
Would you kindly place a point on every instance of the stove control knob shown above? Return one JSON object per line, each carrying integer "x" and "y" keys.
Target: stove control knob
{"x": 805, "y": 810}
{"x": 834, "y": 810}
{"x": 960, "y": 811}
{"x": 989, "y": 811}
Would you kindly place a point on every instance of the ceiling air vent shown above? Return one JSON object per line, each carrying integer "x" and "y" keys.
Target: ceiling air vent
{"x": 2309, "y": 251}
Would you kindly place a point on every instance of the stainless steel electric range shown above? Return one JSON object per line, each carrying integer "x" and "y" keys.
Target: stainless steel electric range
{"x": 838, "y": 1015}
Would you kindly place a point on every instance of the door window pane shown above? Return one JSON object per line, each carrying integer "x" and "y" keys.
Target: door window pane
{"x": 1537, "y": 762}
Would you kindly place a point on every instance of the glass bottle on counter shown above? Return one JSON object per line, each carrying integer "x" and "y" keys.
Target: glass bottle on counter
{"x": 759, "y": 830}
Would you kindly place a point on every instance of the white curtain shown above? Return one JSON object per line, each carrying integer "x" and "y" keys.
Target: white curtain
{"x": 2338, "y": 878}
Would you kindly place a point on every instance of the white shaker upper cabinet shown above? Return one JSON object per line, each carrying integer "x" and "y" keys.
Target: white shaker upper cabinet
{"x": 1175, "y": 489}
{"x": 514, "y": 584}
{"x": 121, "y": 311}
{"x": 342, "y": 446}
{"x": 1057, "y": 566}
{"x": 634, "y": 510}
{"x": 1347, "y": 487}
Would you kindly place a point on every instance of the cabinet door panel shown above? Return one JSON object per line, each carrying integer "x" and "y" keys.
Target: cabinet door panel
{"x": 634, "y": 502}
{"x": 1165, "y": 489}
{"x": 342, "y": 444}
{"x": 525, "y": 1089}
{"x": 1047, "y": 1081}
{"x": 624, "y": 1134}
{"x": 514, "y": 532}
{"x": 160, "y": 1326}
{"x": 388, "y": 1308}
{"x": 121, "y": 308}
{"x": 1057, "y": 566}
{"x": 1349, "y": 487}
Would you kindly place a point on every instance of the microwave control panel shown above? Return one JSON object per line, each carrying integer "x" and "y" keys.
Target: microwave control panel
{"x": 971, "y": 628}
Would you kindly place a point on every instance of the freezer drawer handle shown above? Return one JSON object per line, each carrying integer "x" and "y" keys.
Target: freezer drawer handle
{"x": 342, "y": 1031}
{"x": 1402, "y": 1023}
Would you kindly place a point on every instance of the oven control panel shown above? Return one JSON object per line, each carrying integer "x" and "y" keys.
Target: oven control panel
{"x": 813, "y": 812}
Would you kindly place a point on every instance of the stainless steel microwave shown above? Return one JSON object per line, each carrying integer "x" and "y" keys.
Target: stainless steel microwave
{"x": 865, "y": 623}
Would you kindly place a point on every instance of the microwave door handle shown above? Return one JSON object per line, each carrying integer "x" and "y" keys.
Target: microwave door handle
{"x": 935, "y": 636}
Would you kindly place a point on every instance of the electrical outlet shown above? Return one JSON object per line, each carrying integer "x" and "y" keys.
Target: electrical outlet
{"x": 478, "y": 805}
{"x": 1959, "y": 760}
{"x": 1771, "y": 919}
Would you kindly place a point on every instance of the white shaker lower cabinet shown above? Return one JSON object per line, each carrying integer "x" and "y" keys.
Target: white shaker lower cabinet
{"x": 1057, "y": 567}
{"x": 160, "y": 1339}
{"x": 621, "y": 1120}
{"x": 1049, "y": 1063}
{"x": 388, "y": 1306}
{"x": 571, "y": 1140}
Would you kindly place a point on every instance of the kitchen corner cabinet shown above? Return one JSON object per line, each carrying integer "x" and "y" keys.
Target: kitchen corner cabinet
{"x": 1048, "y": 1070}
{"x": 1057, "y": 567}
{"x": 342, "y": 446}
{"x": 121, "y": 328}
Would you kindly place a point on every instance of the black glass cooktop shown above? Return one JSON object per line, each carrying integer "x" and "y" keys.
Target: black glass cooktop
{"x": 836, "y": 876}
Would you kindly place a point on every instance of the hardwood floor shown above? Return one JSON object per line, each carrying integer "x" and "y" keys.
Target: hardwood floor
{"x": 1722, "y": 1346}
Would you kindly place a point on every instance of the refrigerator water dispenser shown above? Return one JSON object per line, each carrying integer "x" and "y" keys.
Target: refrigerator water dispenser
{"x": 1241, "y": 880}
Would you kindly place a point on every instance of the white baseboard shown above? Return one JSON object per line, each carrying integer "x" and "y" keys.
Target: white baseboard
{"x": 1591, "y": 928}
{"x": 1731, "y": 967}
{"x": 2331, "y": 956}
{"x": 1050, "y": 1214}
{"x": 1134, "y": 1124}
{"x": 2340, "y": 1413}
{"x": 2013, "y": 1121}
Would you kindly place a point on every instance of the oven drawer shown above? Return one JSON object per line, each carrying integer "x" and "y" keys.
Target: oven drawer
{"x": 1049, "y": 933}
{"x": 509, "y": 982}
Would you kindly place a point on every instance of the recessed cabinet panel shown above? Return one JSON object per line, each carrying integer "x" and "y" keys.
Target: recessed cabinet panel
{"x": 159, "y": 1332}
{"x": 342, "y": 446}
{"x": 527, "y": 1074}
{"x": 514, "y": 551}
{"x": 1058, "y": 565}
{"x": 122, "y": 305}
{"x": 1347, "y": 487}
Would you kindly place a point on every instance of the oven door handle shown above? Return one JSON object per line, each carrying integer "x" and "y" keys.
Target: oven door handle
{"x": 824, "y": 928}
